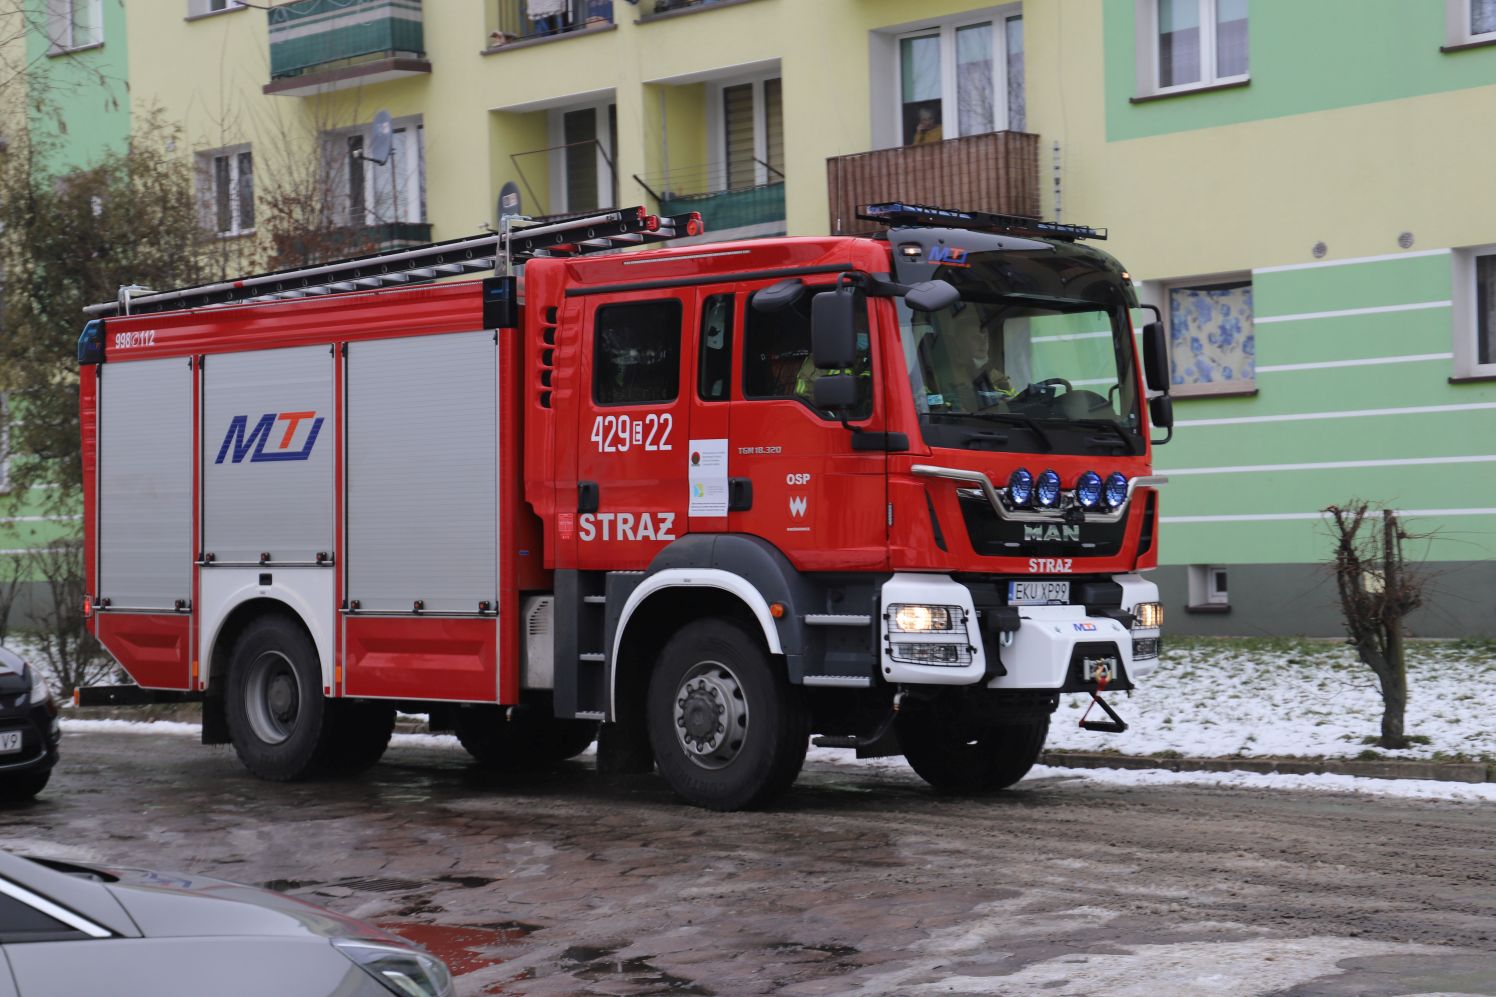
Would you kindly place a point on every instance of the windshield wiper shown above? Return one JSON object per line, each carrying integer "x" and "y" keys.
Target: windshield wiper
{"x": 1106, "y": 424}
{"x": 1014, "y": 419}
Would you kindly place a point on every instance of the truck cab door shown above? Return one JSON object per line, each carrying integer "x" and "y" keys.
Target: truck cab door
{"x": 814, "y": 496}
{"x": 631, "y": 495}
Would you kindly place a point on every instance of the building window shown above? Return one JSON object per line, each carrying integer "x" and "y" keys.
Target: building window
{"x": 636, "y": 353}
{"x": 73, "y": 24}
{"x": 1469, "y": 22}
{"x": 582, "y": 142}
{"x": 226, "y": 190}
{"x": 197, "y": 8}
{"x": 1208, "y": 589}
{"x": 1475, "y": 312}
{"x": 1188, "y": 44}
{"x": 749, "y": 134}
{"x": 960, "y": 79}
{"x": 375, "y": 193}
{"x": 1212, "y": 348}
{"x": 714, "y": 362}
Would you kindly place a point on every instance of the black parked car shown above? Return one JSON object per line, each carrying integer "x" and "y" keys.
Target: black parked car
{"x": 29, "y": 731}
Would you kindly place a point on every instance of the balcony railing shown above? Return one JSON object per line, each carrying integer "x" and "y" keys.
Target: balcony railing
{"x": 997, "y": 171}
{"x": 344, "y": 42}
{"x": 725, "y": 202}
{"x": 653, "y": 8}
{"x": 522, "y": 20}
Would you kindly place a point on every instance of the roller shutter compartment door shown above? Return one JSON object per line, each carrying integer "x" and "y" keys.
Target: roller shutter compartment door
{"x": 268, "y": 455}
{"x": 145, "y": 483}
{"x": 422, "y": 459}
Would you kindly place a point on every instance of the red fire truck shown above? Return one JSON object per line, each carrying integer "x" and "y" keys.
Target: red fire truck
{"x": 712, "y": 500}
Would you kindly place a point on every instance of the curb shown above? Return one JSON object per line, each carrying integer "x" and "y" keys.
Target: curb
{"x": 1387, "y": 769}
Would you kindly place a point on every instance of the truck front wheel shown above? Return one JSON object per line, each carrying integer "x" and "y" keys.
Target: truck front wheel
{"x": 962, "y": 758}
{"x": 727, "y": 729}
{"x": 279, "y": 722}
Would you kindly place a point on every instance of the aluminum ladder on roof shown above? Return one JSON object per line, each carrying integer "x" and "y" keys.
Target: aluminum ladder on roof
{"x": 497, "y": 251}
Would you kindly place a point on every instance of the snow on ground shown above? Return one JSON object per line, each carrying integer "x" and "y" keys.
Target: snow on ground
{"x": 1275, "y": 697}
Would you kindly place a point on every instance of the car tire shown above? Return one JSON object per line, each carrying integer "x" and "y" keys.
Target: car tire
{"x": 19, "y": 788}
{"x": 955, "y": 758}
{"x": 728, "y": 730}
{"x": 279, "y": 720}
{"x": 525, "y": 741}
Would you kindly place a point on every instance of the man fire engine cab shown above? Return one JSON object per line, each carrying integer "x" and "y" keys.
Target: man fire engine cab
{"x": 892, "y": 492}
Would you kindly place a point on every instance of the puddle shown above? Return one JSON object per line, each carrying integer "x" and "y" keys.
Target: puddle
{"x": 468, "y": 882}
{"x": 597, "y": 965}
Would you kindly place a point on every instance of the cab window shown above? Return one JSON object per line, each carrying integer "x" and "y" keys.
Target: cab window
{"x": 636, "y": 353}
{"x": 777, "y": 361}
{"x": 714, "y": 374}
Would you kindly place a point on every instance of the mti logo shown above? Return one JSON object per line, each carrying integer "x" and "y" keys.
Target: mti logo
{"x": 951, "y": 256}
{"x": 241, "y": 439}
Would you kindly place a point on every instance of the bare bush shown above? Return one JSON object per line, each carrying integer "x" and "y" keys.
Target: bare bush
{"x": 72, "y": 656}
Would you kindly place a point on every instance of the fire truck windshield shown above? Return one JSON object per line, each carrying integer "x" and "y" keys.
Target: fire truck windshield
{"x": 1047, "y": 374}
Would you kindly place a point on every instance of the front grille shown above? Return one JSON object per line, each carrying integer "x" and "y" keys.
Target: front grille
{"x": 995, "y": 537}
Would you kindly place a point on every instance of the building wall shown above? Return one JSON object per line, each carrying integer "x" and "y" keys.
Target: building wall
{"x": 78, "y": 98}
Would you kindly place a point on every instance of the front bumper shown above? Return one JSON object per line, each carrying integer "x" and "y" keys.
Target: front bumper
{"x": 40, "y": 737}
{"x": 1051, "y": 648}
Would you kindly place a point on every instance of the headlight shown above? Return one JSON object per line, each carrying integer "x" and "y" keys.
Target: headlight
{"x": 1048, "y": 488}
{"x": 1020, "y": 487}
{"x": 1148, "y": 616}
{"x": 1088, "y": 489}
{"x": 912, "y": 619}
{"x": 1116, "y": 489}
{"x": 40, "y": 693}
{"x": 406, "y": 972}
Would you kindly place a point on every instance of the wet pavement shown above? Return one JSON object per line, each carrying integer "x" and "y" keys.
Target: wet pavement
{"x": 859, "y": 882}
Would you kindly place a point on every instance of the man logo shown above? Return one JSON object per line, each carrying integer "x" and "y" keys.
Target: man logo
{"x": 1051, "y": 532}
{"x": 797, "y": 506}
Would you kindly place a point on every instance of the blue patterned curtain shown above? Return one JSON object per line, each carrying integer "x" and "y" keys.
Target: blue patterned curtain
{"x": 1210, "y": 332}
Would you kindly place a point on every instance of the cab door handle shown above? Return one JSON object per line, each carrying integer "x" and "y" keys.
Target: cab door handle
{"x": 588, "y": 497}
{"x": 739, "y": 494}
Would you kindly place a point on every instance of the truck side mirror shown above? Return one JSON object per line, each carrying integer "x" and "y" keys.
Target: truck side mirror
{"x": 931, "y": 296}
{"x": 834, "y": 392}
{"x": 834, "y": 318}
{"x": 1161, "y": 412}
{"x": 1155, "y": 357}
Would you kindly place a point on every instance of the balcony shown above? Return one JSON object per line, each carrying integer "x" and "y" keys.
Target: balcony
{"x": 651, "y": 9}
{"x": 741, "y": 209}
{"x": 321, "y": 45}
{"x": 518, "y": 21}
{"x": 997, "y": 171}
{"x": 311, "y": 247}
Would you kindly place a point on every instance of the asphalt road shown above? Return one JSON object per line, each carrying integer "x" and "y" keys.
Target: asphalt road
{"x": 859, "y": 882}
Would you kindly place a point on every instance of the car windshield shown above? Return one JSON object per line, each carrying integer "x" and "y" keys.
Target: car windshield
{"x": 1047, "y": 367}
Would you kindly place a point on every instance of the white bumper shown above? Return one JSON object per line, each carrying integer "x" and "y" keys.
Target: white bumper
{"x": 1036, "y": 656}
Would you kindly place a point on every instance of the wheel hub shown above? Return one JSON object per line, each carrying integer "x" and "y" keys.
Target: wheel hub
{"x": 711, "y": 715}
{"x": 272, "y": 697}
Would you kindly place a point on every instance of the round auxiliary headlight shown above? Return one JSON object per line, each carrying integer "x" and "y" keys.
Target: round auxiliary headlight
{"x": 1116, "y": 489}
{"x": 1088, "y": 489}
{"x": 1020, "y": 487}
{"x": 1048, "y": 488}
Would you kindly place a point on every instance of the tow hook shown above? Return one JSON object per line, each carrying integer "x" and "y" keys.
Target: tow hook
{"x": 1115, "y": 725}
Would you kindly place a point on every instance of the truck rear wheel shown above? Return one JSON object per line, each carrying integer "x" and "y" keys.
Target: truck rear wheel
{"x": 529, "y": 741}
{"x": 727, "y": 729}
{"x": 279, "y": 721}
{"x": 960, "y": 758}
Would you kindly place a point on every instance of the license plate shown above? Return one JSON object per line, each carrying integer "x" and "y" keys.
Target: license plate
{"x": 1038, "y": 593}
{"x": 10, "y": 742}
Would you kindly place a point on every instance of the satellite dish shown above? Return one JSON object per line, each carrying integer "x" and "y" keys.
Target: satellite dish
{"x": 509, "y": 203}
{"x": 381, "y": 134}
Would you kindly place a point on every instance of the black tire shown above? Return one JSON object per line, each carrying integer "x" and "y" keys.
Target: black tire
{"x": 279, "y": 721}
{"x": 19, "y": 788}
{"x": 360, "y": 733}
{"x": 526, "y": 741}
{"x": 960, "y": 758}
{"x": 714, "y": 679}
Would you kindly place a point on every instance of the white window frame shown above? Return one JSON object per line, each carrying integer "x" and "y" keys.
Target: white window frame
{"x": 1204, "y": 591}
{"x": 202, "y": 8}
{"x": 208, "y": 190}
{"x": 1466, "y": 322}
{"x": 605, "y": 152}
{"x": 1147, "y": 52}
{"x": 946, "y": 27}
{"x": 1457, "y": 26}
{"x": 412, "y": 176}
{"x": 716, "y": 123}
{"x": 1156, "y": 293}
{"x": 61, "y": 22}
